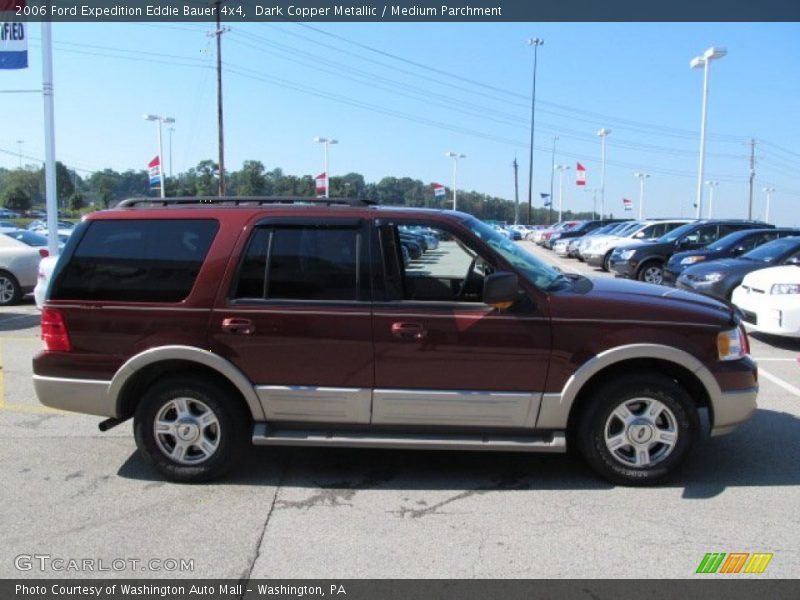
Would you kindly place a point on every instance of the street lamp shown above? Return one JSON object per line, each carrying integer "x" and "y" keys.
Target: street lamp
{"x": 159, "y": 119}
{"x": 561, "y": 169}
{"x": 642, "y": 177}
{"x": 327, "y": 142}
{"x": 535, "y": 42}
{"x": 768, "y": 191}
{"x": 171, "y": 131}
{"x": 19, "y": 148}
{"x": 455, "y": 156}
{"x": 552, "y": 174}
{"x": 711, "y": 186}
{"x": 696, "y": 63}
{"x": 603, "y": 133}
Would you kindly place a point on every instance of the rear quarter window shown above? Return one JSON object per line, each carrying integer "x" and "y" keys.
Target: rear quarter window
{"x": 136, "y": 260}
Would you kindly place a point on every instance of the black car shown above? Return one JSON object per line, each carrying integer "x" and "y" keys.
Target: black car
{"x": 645, "y": 260}
{"x": 730, "y": 246}
{"x": 718, "y": 278}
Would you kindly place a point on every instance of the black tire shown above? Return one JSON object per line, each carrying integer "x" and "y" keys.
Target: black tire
{"x": 10, "y": 291}
{"x": 651, "y": 272}
{"x": 229, "y": 436}
{"x": 607, "y": 261}
{"x": 647, "y": 390}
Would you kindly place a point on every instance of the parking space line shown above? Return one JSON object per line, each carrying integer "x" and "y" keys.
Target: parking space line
{"x": 775, "y": 359}
{"x": 779, "y": 382}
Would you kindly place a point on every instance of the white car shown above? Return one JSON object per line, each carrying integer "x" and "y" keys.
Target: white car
{"x": 770, "y": 300}
{"x": 46, "y": 267}
{"x": 19, "y": 265}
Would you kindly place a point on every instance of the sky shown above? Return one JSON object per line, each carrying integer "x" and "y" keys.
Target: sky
{"x": 398, "y": 96}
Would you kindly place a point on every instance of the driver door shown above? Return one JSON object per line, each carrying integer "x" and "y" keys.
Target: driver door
{"x": 443, "y": 358}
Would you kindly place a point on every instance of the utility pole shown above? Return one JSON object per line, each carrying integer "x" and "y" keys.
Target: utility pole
{"x": 752, "y": 177}
{"x": 516, "y": 192}
{"x": 552, "y": 174}
{"x": 218, "y": 34}
{"x": 535, "y": 42}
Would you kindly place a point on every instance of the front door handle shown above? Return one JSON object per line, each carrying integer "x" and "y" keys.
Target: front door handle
{"x": 409, "y": 331}
{"x": 238, "y": 326}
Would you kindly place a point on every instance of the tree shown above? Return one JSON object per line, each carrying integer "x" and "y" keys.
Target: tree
{"x": 102, "y": 184}
{"x": 16, "y": 198}
{"x": 251, "y": 180}
{"x": 29, "y": 180}
{"x": 65, "y": 182}
{"x": 76, "y": 201}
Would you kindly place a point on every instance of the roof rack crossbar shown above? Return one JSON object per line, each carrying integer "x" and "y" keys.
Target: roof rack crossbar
{"x": 241, "y": 200}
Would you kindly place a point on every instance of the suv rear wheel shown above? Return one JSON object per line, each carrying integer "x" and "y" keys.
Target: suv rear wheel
{"x": 191, "y": 429}
{"x": 652, "y": 272}
{"x": 637, "y": 430}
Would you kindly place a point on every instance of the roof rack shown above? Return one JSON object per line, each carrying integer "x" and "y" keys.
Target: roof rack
{"x": 240, "y": 201}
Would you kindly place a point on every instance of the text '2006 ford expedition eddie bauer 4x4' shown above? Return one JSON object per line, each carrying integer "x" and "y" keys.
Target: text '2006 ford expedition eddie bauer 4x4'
{"x": 217, "y": 323}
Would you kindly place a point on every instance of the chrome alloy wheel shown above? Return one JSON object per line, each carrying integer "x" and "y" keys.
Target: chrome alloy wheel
{"x": 653, "y": 274}
{"x": 641, "y": 432}
{"x": 187, "y": 431}
{"x": 7, "y": 290}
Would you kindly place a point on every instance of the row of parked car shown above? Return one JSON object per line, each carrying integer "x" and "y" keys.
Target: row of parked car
{"x": 23, "y": 256}
{"x": 752, "y": 264}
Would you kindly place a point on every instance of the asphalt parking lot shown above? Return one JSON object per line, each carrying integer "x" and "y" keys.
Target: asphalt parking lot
{"x": 71, "y": 492}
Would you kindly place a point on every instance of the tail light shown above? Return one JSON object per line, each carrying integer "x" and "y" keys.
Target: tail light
{"x": 54, "y": 331}
{"x": 745, "y": 340}
{"x": 44, "y": 252}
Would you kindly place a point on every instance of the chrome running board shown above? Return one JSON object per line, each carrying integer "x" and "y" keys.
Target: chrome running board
{"x": 551, "y": 442}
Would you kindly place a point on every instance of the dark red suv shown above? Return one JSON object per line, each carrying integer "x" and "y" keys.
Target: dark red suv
{"x": 217, "y": 323}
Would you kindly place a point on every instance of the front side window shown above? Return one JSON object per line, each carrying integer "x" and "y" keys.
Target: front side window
{"x": 136, "y": 260}
{"x": 301, "y": 263}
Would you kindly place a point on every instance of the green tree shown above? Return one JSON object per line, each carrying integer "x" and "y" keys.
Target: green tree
{"x": 16, "y": 198}
{"x": 102, "y": 184}
{"x": 76, "y": 201}
{"x": 31, "y": 181}
{"x": 65, "y": 182}
{"x": 251, "y": 180}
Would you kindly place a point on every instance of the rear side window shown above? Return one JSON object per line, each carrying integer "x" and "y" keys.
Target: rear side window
{"x": 302, "y": 263}
{"x": 136, "y": 260}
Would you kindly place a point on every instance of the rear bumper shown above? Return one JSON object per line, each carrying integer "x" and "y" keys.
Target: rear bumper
{"x": 88, "y": 396}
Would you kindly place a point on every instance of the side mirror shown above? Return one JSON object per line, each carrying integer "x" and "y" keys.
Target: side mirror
{"x": 501, "y": 290}
{"x": 738, "y": 250}
{"x": 792, "y": 260}
{"x": 685, "y": 242}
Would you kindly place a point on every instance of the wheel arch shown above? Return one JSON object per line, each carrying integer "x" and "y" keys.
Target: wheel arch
{"x": 143, "y": 369}
{"x": 560, "y": 410}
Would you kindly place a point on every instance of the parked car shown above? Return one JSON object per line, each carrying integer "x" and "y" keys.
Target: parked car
{"x": 280, "y": 324}
{"x": 719, "y": 277}
{"x": 573, "y": 248}
{"x": 19, "y": 264}
{"x": 645, "y": 260}
{"x": 769, "y": 300}
{"x": 730, "y": 246}
{"x": 580, "y": 229}
{"x": 597, "y": 252}
{"x": 43, "y": 276}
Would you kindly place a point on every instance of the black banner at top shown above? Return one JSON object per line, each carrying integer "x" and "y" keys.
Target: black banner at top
{"x": 233, "y": 11}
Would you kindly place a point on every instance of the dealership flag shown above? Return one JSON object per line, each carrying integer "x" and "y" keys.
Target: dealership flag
{"x": 580, "y": 175}
{"x": 627, "y": 204}
{"x": 13, "y": 37}
{"x": 546, "y": 198}
{"x": 438, "y": 190}
{"x": 154, "y": 166}
{"x": 322, "y": 184}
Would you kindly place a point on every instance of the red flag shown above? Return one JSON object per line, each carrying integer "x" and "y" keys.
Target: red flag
{"x": 154, "y": 167}
{"x": 322, "y": 183}
{"x": 580, "y": 175}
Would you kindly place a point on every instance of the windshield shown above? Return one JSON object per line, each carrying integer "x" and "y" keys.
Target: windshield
{"x": 629, "y": 229}
{"x": 676, "y": 233}
{"x": 732, "y": 238}
{"x": 773, "y": 250}
{"x": 537, "y": 272}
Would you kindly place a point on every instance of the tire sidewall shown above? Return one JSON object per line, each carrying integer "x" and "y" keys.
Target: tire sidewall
{"x": 649, "y": 264}
{"x": 592, "y": 427}
{"x": 16, "y": 296}
{"x": 234, "y": 434}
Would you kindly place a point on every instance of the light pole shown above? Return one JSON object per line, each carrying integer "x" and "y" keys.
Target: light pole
{"x": 603, "y": 133}
{"x": 642, "y": 177}
{"x": 327, "y": 143}
{"x": 552, "y": 174}
{"x": 697, "y": 62}
{"x": 159, "y": 119}
{"x": 455, "y": 156}
{"x": 171, "y": 130}
{"x": 19, "y": 148}
{"x": 535, "y": 42}
{"x": 561, "y": 169}
{"x": 768, "y": 191}
{"x": 711, "y": 186}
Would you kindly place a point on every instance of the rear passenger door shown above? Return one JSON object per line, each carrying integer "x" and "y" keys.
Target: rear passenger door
{"x": 297, "y": 319}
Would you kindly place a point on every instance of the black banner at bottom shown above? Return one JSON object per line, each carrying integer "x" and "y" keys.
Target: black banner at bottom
{"x": 714, "y": 587}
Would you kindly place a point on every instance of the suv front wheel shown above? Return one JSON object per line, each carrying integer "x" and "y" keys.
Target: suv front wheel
{"x": 652, "y": 272}
{"x": 636, "y": 430}
{"x": 191, "y": 428}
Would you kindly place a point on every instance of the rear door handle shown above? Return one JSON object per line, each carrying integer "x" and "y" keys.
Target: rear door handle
{"x": 409, "y": 331}
{"x": 238, "y": 326}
